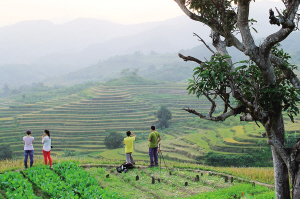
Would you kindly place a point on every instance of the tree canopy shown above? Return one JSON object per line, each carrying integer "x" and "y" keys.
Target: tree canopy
{"x": 113, "y": 140}
{"x": 5, "y": 152}
{"x": 163, "y": 115}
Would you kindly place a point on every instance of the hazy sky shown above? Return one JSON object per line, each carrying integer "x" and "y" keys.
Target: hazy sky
{"x": 59, "y": 11}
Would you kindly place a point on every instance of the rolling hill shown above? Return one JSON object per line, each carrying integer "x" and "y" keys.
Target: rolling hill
{"x": 79, "y": 121}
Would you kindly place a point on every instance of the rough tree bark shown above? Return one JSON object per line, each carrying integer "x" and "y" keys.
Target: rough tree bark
{"x": 286, "y": 162}
{"x": 281, "y": 175}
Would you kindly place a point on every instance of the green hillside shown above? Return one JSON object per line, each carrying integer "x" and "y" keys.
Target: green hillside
{"x": 80, "y": 121}
{"x": 160, "y": 67}
{"x": 79, "y": 118}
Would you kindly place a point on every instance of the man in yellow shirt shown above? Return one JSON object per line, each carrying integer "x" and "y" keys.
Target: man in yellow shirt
{"x": 129, "y": 147}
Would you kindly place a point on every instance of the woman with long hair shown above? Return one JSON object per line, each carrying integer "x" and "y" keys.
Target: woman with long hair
{"x": 28, "y": 148}
{"x": 46, "y": 140}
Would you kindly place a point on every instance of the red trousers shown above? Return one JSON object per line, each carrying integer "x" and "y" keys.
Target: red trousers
{"x": 47, "y": 155}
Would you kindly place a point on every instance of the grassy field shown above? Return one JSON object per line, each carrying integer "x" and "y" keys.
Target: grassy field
{"x": 64, "y": 181}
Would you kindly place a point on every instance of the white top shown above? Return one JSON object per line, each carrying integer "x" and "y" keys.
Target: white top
{"x": 28, "y": 142}
{"x": 47, "y": 143}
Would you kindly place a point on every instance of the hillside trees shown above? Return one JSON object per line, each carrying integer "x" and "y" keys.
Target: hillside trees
{"x": 128, "y": 72}
{"x": 5, "y": 152}
{"x": 113, "y": 140}
{"x": 163, "y": 115}
{"x": 263, "y": 87}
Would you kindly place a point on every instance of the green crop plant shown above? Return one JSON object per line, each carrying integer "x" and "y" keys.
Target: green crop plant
{"x": 50, "y": 182}
{"x": 16, "y": 186}
{"x": 81, "y": 182}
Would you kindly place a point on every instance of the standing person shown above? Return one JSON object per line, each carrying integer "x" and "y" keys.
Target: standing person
{"x": 128, "y": 141}
{"x": 154, "y": 139}
{"x": 28, "y": 148}
{"x": 46, "y": 140}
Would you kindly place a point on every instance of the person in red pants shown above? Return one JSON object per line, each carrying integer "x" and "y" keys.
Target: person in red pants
{"x": 46, "y": 140}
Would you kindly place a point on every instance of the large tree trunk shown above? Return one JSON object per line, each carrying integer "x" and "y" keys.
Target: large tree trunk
{"x": 281, "y": 174}
{"x": 296, "y": 188}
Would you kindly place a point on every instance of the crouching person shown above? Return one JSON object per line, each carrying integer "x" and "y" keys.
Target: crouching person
{"x": 128, "y": 141}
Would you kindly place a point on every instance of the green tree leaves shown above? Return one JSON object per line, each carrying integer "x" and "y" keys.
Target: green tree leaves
{"x": 5, "y": 152}
{"x": 163, "y": 115}
{"x": 114, "y": 140}
{"x": 212, "y": 77}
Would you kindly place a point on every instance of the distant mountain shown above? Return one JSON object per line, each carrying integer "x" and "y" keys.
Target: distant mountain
{"x": 48, "y": 51}
{"x": 24, "y": 42}
{"x": 163, "y": 37}
{"x": 163, "y": 67}
{"x": 169, "y": 36}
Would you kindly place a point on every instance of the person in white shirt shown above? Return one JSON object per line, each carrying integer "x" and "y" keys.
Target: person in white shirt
{"x": 46, "y": 140}
{"x": 28, "y": 148}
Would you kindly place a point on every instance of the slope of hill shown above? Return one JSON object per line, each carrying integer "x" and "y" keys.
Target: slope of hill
{"x": 159, "y": 67}
{"x": 163, "y": 67}
{"x": 79, "y": 121}
{"x": 80, "y": 124}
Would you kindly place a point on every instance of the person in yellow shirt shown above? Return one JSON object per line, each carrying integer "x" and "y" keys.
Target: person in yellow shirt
{"x": 128, "y": 141}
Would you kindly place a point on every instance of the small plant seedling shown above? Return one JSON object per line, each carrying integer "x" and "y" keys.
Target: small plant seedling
{"x": 197, "y": 178}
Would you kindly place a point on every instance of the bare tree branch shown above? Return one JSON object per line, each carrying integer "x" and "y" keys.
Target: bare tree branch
{"x": 213, "y": 24}
{"x": 189, "y": 58}
{"x": 200, "y": 39}
{"x": 220, "y": 46}
{"x": 246, "y": 117}
{"x": 221, "y": 117}
{"x": 191, "y": 15}
{"x": 213, "y": 105}
{"x": 243, "y": 24}
{"x": 288, "y": 25}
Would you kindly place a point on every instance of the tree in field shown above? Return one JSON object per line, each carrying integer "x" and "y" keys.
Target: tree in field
{"x": 114, "y": 140}
{"x": 263, "y": 87}
{"x": 5, "y": 152}
{"x": 128, "y": 72}
{"x": 163, "y": 115}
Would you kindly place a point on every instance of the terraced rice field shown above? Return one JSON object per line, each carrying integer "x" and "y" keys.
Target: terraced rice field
{"x": 80, "y": 124}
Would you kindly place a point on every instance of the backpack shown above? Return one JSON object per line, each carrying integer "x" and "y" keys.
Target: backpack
{"x": 124, "y": 168}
